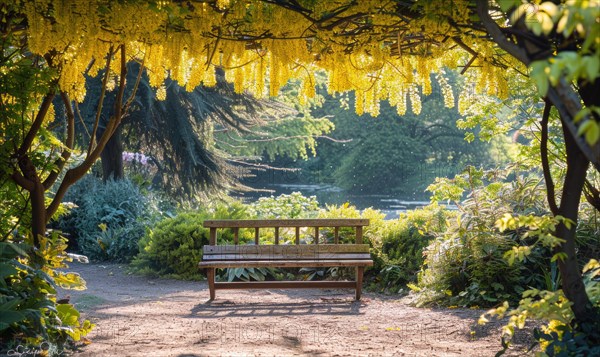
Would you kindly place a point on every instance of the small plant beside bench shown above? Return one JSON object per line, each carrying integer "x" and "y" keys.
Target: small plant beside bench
{"x": 286, "y": 255}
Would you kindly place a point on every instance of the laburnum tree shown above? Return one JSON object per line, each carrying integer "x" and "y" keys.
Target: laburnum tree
{"x": 379, "y": 49}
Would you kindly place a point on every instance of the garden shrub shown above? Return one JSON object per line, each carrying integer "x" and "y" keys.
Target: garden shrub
{"x": 110, "y": 218}
{"x": 588, "y": 231}
{"x": 294, "y": 205}
{"x": 400, "y": 256}
{"x": 247, "y": 274}
{"x": 30, "y": 317}
{"x": 396, "y": 245}
{"x": 466, "y": 265}
{"x": 371, "y": 233}
{"x": 558, "y": 336}
{"x": 173, "y": 247}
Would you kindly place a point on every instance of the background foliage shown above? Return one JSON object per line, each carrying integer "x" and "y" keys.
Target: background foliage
{"x": 406, "y": 151}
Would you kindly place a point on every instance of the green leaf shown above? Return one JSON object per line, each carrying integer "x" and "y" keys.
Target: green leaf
{"x": 506, "y": 5}
{"x": 582, "y": 113}
{"x": 10, "y": 305}
{"x": 584, "y": 127}
{"x": 497, "y": 286}
{"x": 592, "y": 67}
{"x": 590, "y": 130}
{"x": 68, "y": 314}
{"x": 555, "y": 72}
{"x": 561, "y": 255}
{"x": 10, "y": 317}
{"x": 7, "y": 270}
{"x": 540, "y": 77}
{"x": 593, "y": 133}
{"x": 535, "y": 27}
{"x": 10, "y": 250}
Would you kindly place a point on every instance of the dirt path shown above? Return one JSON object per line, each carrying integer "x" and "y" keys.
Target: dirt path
{"x": 138, "y": 316}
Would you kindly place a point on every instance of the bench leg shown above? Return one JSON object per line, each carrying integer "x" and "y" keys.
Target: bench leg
{"x": 211, "y": 282}
{"x": 359, "y": 281}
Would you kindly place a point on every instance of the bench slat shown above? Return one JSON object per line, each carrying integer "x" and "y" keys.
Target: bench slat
{"x": 286, "y": 285}
{"x": 283, "y": 257}
{"x": 265, "y": 223}
{"x": 304, "y": 249}
{"x": 285, "y": 263}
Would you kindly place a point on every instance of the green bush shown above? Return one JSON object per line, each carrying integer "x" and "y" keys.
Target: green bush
{"x": 173, "y": 247}
{"x": 588, "y": 231}
{"x": 466, "y": 265}
{"x": 110, "y": 218}
{"x": 371, "y": 234}
{"x": 247, "y": 274}
{"x": 396, "y": 245}
{"x": 401, "y": 253}
{"x": 294, "y": 205}
{"x": 30, "y": 317}
{"x": 559, "y": 335}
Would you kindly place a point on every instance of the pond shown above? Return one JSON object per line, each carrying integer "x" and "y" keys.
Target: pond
{"x": 327, "y": 194}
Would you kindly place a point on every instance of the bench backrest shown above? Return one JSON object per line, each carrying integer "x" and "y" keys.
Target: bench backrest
{"x": 316, "y": 224}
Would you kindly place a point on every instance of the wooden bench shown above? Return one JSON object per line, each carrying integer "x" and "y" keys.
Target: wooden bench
{"x": 316, "y": 254}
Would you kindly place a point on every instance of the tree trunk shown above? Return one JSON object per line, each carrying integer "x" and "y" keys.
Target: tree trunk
{"x": 38, "y": 212}
{"x": 572, "y": 282}
{"x": 112, "y": 157}
{"x": 31, "y": 182}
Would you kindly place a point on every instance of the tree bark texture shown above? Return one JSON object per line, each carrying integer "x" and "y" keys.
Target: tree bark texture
{"x": 112, "y": 157}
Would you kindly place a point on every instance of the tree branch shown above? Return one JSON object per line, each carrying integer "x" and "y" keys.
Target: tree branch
{"x": 66, "y": 154}
{"x": 135, "y": 86}
{"x": 37, "y": 123}
{"x": 567, "y": 102}
{"x": 22, "y": 181}
{"x": 550, "y": 194}
{"x": 122, "y": 81}
{"x": 494, "y": 30}
{"x": 100, "y": 102}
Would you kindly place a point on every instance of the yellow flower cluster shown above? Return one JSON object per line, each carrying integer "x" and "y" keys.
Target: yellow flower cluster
{"x": 187, "y": 41}
{"x": 446, "y": 90}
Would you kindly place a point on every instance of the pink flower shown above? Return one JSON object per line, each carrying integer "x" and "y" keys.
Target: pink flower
{"x": 135, "y": 157}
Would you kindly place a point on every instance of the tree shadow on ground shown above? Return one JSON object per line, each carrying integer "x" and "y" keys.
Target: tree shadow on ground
{"x": 522, "y": 339}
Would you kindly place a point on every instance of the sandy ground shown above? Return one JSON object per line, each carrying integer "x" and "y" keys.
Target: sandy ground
{"x": 139, "y": 316}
